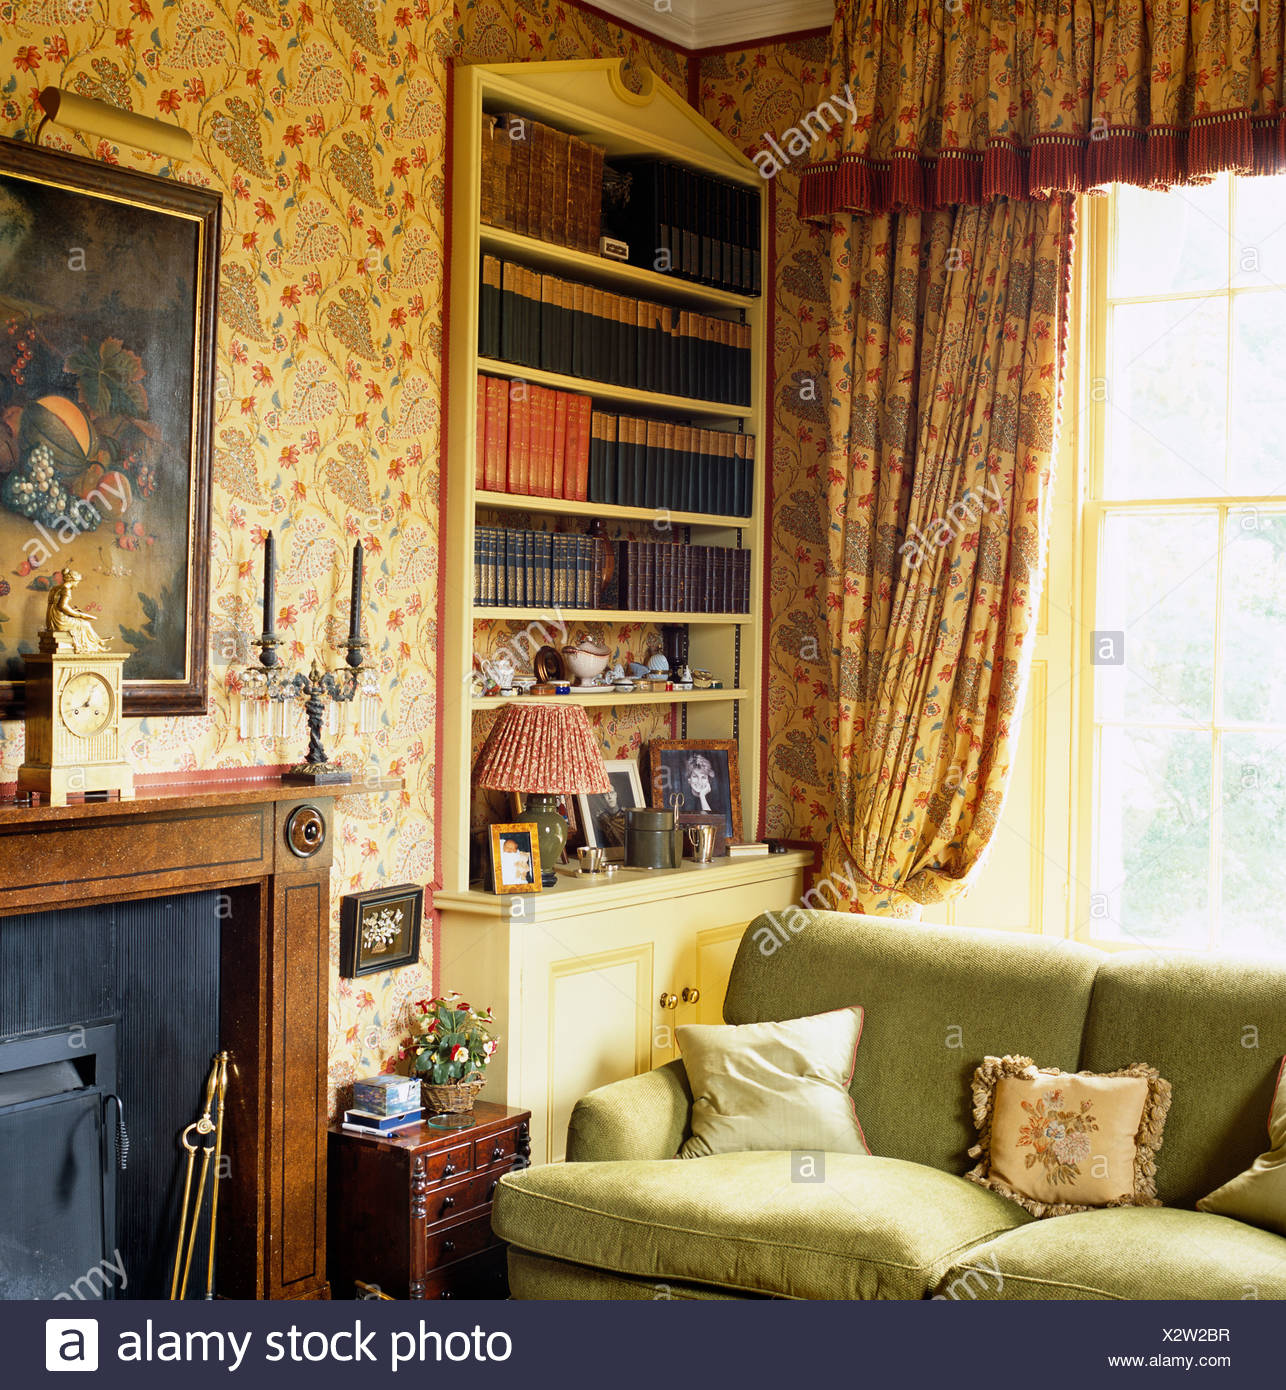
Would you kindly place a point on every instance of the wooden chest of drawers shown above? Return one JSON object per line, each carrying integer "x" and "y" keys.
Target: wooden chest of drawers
{"x": 410, "y": 1215}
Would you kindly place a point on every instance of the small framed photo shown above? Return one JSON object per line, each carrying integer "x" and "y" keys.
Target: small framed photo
{"x": 603, "y": 813}
{"x": 380, "y": 930}
{"x": 704, "y": 772}
{"x": 515, "y": 858}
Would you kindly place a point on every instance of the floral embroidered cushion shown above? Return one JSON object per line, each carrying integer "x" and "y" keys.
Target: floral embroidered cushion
{"x": 773, "y": 1085}
{"x": 1258, "y": 1196}
{"x": 1057, "y": 1142}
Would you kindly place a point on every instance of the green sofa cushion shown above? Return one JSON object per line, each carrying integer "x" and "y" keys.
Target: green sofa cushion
{"x": 872, "y": 1228}
{"x": 1124, "y": 1253}
{"x": 937, "y": 999}
{"x": 533, "y": 1277}
{"x": 1215, "y": 1029}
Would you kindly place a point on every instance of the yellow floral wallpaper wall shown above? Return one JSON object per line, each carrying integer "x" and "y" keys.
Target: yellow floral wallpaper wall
{"x": 323, "y": 126}
{"x": 749, "y": 94}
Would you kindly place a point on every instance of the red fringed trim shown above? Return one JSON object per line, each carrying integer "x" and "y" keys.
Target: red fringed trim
{"x": 1159, "y": 157}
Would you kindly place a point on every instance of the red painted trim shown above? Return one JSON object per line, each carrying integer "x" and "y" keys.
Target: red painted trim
{"x": 766, "y": 462}
{"x": 444, "y": 445}
{"x": 191, "y": 777}
{"x": 768, "y": 41}
{"x": 694, "y": 84}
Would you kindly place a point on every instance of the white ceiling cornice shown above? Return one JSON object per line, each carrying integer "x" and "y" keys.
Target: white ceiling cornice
{"x": 697, "y": 24}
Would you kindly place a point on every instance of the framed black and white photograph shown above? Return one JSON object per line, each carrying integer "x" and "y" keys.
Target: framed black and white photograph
{"x": 602, "y": 814}
{"x": 704, "y": 772}
{"x": 380, "y": 930}
{"x": 515, "y": 858}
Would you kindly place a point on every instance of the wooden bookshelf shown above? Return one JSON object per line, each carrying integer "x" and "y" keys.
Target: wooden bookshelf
{"x": 612, "y": 697}
{"x": 692, "y": 406}
{"x": 521, "y": 502}
{"x": 590, "y": 99}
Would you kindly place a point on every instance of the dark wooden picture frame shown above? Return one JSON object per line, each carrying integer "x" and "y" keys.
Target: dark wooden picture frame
{"x": 526, "y": 836}
{"x": 670, "y": 767}
{"x": 108, "y": 281}
{"x": 380, "y": 929}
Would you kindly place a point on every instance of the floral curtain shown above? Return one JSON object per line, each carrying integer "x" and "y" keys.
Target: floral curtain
{"x": 946, "y": 342}
{"x": 932, "y": 105}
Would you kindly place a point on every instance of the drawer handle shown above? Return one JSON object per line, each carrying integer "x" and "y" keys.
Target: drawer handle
{"x": 491, "y": 1191}
{"x": 448, "y": 1246}
{"x": 448, "y": 1203}
{"x": 497, "y": 1152}
{"x": 449, "y": 1171}
{"x": 446, "y": 1293}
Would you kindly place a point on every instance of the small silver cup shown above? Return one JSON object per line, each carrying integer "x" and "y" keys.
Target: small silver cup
{"x": 701, "y": 838}
{"x": 593, "y": 859}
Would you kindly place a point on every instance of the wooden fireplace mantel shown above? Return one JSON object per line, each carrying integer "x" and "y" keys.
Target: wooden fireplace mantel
{"x": 274, "y": 978}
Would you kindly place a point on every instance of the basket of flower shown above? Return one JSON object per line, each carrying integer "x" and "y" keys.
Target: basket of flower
{"x": 450, "y": 1049}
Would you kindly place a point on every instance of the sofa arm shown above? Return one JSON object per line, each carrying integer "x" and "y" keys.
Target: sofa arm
{"x": 644, "y": 1116}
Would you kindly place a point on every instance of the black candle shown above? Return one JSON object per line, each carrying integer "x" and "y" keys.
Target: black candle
{"x": 269, "y": 586}
{"x": 355, "y": 605}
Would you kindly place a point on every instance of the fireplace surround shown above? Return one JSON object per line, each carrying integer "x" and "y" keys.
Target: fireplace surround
{"x": 266, "y": 848}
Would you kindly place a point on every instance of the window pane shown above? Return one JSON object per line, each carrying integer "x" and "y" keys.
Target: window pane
{"x": 1254, "y": 617}
{"x": 1156, "y": 587}
{"x": 1259, "y": 225}
{"x": 1152, "y": 835}
{"x": 1257, "y": 391}
{"x": 1171, "y": 243}
{"x": 1253, "y": 871}
{"x": 1167, "y": 383}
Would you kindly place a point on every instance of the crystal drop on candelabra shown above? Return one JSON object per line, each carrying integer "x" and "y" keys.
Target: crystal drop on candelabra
{"x": 366, "y": 703}
{"x": 252, "y": 701}
{"x": 285, "y": 716}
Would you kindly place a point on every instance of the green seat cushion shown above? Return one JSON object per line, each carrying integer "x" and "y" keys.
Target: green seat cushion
{"x": 862, "y": 1228}
{"x": 533, "y": 1277}
{"x": 1124, "y": 1253}
{"x": 937, "y": 1000}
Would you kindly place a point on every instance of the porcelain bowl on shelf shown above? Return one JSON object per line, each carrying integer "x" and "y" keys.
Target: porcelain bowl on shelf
{"x": 586, "y": 660}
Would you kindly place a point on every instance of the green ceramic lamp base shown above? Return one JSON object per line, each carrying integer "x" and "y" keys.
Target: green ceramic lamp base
{"x": 551, "y": 832}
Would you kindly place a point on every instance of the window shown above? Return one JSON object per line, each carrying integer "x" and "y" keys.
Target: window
{"x": 1184, "y": 705}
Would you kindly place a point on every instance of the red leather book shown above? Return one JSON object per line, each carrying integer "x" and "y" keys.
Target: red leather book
{"x": 561, "y": 401}
{"x": 480, "y": 425}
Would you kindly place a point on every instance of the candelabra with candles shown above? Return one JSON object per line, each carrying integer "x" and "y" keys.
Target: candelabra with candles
{"x": 269, "y": 693}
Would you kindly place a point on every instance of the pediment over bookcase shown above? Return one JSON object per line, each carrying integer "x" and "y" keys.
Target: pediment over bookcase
{"x": 598, "y": 103}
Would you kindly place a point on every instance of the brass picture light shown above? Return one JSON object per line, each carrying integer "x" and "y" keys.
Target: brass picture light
{"x": 111, "y": 123}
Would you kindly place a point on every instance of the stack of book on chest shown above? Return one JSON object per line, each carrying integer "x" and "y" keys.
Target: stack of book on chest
{"x": 384, "y": 1105}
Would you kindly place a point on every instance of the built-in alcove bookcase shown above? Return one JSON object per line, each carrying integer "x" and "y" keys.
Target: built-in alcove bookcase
{"x": 591, "y": 100}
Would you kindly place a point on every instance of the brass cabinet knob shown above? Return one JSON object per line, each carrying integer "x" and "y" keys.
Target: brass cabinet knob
{"x": 669, "y": 1001}
{"x": 690, "y": 995}
{"x": 448, "y": 1203}
{"x": 448, "y": 1246}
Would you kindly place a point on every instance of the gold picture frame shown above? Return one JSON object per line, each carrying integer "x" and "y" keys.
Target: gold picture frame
{"x": 670, "y": 764}
{"x": 515, "y": 858}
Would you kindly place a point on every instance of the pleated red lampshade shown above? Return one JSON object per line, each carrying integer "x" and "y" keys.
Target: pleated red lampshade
{"x": 542, "y": 748}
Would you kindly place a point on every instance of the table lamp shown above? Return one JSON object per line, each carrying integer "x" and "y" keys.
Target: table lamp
{"x": 548, "y": 752}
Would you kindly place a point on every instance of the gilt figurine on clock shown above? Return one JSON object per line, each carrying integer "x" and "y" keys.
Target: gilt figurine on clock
{"x": 73, "y": 714}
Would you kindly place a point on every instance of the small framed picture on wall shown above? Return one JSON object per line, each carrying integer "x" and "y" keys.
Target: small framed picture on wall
{"x": 379, "y": 930}
{"x": 602, "y": 814}
{"x": 515, "y": 858}
{"x": 704, "y": 772}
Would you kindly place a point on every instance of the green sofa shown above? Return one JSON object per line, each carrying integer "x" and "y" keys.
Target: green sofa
{"x": 624, "y": 1219}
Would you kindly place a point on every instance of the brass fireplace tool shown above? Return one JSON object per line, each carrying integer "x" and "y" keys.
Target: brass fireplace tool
{"x": 216, "y": 1092}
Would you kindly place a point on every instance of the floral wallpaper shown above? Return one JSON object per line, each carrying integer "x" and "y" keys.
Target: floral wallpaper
{"x": 323, "y": 127}
{"x": 751, "y": 94}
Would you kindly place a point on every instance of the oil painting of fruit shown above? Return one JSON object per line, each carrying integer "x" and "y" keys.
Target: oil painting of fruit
{"x": 107, "y": 309}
